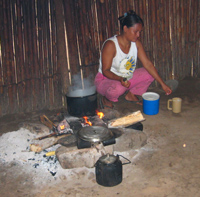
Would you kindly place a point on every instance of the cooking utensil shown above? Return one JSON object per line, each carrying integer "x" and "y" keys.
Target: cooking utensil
{"x": 92, "y": 135}
{"x": 95, "y": 133}
{"x": 82, "y": 102}
{"x": 86, "y": 144}
{"x": 108, "y": 170}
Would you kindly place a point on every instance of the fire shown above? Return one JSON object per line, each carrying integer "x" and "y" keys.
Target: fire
{"x": 62, "y": 127}
{"x": 100, "y": 114}
{"x": 86, "y": 120}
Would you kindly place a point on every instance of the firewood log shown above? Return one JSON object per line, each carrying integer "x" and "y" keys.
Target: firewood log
{"x": 127, "y": 120}
{"x": 40, "y": 145}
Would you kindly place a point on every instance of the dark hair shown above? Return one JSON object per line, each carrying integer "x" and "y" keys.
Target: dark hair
{"x": 129, "y": 19}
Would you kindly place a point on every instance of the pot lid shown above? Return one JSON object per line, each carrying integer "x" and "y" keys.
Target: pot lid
{"x": 94, "y": 133}
{"x": 108, "y": 159}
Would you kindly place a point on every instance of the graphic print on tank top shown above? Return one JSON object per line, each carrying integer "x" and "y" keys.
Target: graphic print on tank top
{"x": 127, "y": 66}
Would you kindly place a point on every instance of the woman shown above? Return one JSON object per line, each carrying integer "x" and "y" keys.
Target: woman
{"x": 117, "y": 73}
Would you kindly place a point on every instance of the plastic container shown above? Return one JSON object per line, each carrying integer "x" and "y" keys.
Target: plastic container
{"x": 151, "y": 102}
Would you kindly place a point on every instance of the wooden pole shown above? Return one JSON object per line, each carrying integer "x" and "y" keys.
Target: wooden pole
{"x": 61, "y": 46}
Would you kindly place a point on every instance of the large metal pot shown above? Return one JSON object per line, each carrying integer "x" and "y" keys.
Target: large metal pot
{"x": 82, "y": 102}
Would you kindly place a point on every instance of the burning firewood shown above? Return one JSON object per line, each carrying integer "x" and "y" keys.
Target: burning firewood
{"x": 127, "y": 120}
{"x": 63, "y": 127}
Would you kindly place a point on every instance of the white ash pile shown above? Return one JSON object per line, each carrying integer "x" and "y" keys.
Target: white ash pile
{"x": 14, "y": 147}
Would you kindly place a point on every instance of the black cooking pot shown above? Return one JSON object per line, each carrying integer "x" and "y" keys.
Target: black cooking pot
{"x": 109, "y": 170}
{"x": 82, "y": 102}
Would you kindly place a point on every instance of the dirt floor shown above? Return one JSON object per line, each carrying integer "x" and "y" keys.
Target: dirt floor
{"x": 167, "y": 166}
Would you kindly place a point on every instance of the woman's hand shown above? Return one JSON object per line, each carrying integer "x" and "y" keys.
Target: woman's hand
{"x": 167, "y": 89}
{"x": 125, "y": 82}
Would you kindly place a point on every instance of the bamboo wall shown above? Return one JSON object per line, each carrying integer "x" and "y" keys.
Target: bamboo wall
{"x": 31, "y": 75}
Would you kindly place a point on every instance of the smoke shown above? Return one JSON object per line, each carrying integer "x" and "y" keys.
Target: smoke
{"x": 81, "y": 83}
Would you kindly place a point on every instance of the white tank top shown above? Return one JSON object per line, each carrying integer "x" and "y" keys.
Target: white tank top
{"x": 123, "y": 64}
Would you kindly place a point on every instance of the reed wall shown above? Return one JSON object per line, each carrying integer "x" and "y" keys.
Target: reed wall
{"x": 44, "y": 43}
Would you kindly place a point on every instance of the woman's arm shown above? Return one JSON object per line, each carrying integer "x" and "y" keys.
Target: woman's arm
{"x": 148, "y": 65}
{"x": 107, "y": 55}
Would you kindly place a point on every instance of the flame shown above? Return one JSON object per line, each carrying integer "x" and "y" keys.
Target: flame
{"x": 86, "y": 120}
{"x": 62, "y": 127}
{"x": 100, "y": 114}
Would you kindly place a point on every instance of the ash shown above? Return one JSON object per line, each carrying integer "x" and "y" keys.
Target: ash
{"x": 14, "y": 150}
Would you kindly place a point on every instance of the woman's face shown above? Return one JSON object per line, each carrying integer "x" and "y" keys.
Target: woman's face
{"x": 133, "y": 33}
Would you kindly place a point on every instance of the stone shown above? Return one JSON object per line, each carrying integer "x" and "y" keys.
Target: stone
{"x": 72, "y": 157}
{"x": 131, "y": 139}
{"x": 127, "y": 140}
{"x": 36, "y": 128}
{"x": 68, "y": 141}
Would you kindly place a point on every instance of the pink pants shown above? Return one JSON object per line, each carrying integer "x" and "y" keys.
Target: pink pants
{"x": 112, "y": 89}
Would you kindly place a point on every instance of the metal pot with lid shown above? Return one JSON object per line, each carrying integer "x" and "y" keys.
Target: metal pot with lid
{"x": 109, "y": 170}
{"x": 94, "y": 134}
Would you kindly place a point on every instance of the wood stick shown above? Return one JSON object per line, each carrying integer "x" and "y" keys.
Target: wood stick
{"x": 41, "y": 145}
{"x": 126, "y": 120}
{"x": 51, "y": 135}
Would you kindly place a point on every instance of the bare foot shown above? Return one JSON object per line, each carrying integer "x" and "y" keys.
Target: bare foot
{"x": 106, "y": 103}
{"x": 132, "y": 97}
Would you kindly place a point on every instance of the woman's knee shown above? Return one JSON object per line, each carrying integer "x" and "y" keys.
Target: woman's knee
{"x": 114, "y": 92}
